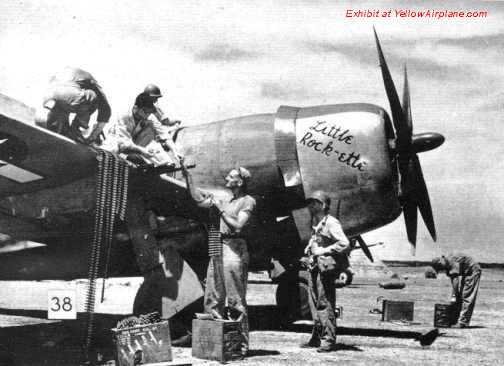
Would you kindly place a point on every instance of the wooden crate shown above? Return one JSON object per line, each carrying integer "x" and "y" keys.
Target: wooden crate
{"x": 151, "y": 343}
{"x": 216, "y": 340}
{"x": 445, "y": 315}
{"x": 397, "y": 310}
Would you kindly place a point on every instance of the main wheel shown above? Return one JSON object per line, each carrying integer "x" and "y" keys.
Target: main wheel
{"x": 346, "y": 277}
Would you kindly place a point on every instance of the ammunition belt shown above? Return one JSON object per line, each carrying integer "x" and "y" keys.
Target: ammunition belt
{"x": 132, "y": 321}
{"x": 214, "y": 241}
{"x": 110, "y": 204}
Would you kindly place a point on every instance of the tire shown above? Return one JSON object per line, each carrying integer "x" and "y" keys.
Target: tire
{"x": 346, "y": 277}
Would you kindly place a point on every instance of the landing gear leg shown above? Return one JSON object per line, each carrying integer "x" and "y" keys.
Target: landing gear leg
{"x": 292, "y": 297}
{"x": 149, "y": 298}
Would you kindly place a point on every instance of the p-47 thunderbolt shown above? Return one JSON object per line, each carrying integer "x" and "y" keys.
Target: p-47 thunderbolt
{"x": 67, "y": 196}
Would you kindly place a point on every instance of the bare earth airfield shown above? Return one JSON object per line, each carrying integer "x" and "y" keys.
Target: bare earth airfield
{"x": 363, "y": 338}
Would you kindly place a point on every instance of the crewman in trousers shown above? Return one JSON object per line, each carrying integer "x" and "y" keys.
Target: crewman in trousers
{"x": 328, "y": 249}
{"x": 464, "y": 273}
{"x": 229, "y": 285}
{"x": 74, "y": 90}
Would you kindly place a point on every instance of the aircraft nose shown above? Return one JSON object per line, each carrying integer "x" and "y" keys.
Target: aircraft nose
{"x": 426, "y": 141}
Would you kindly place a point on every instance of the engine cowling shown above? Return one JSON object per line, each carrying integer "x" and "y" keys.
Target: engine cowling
{"x": 343, "y": 150}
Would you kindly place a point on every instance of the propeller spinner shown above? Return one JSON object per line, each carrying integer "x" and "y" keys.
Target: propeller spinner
{"x": 413, "y": 191}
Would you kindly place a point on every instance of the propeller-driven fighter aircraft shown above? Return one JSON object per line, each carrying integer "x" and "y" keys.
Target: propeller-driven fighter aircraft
{"x": 53, "y": 196}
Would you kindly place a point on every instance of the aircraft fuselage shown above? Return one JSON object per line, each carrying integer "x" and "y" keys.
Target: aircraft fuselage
{"x": 342, "y": 149}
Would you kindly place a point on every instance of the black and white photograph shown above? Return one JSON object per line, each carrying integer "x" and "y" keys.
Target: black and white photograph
{"x": 251, "y": 182}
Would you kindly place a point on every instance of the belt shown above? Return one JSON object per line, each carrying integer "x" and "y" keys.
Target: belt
{"x": 231, "y": 236}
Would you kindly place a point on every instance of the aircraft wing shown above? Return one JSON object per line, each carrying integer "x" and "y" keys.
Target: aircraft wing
{"x": 170, "y": 196}
{"x": 33, "y": 158}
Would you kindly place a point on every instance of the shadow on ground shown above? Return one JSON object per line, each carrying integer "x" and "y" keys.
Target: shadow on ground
{"x": 57, "y": 343}
{"x": 269, "y": 317}
{"x": 261, "y": 352}
{"x": 347, "y": 347}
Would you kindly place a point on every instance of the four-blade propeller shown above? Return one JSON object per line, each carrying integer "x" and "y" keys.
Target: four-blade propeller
{"x": 413, "y": 191}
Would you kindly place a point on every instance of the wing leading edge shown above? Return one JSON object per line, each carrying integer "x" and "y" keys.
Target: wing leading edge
{"x": 33, "y": 158}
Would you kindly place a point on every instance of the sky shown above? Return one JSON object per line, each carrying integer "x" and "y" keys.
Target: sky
{"x": 222, "y": 59}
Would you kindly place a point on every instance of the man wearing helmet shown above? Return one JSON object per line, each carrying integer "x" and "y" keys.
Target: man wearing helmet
{"x": 134, "y": 133}
{"x": 76, "y": 91}
{"x": 328, "y": 248}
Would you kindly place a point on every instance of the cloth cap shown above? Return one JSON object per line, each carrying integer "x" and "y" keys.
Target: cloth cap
{"x": 244, "y": 173}
{"x": 320, "y": 196}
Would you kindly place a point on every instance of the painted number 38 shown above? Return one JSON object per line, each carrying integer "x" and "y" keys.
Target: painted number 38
{"x": 59, "y": 304}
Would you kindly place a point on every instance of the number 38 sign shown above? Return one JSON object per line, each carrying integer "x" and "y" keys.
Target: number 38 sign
{"x": 61, "y": 304}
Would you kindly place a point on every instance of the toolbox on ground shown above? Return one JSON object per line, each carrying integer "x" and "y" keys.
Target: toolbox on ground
{"x": 445, "y": 315}
{"x": 397, "y": 310}
{"x": 143, "y": 344}
{"x": 218, "y": 340}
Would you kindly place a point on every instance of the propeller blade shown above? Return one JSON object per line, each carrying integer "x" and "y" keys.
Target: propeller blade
{"x": 410, "y": 206}
{"x": 422, "y": 198}
{"x": 365, "y": 248}
{"x": 405, "y": 137}
{"x": 393, "y": 97}
{"x": 406, "y": 102}
{"x": 410, "y": 219}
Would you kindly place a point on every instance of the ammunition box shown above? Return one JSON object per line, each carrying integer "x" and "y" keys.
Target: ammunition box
{"x": 143, "y": 344}
{"x": 445, "y": 315}
{"x": 397, "y": 310}
{"x": 216, "y": 340}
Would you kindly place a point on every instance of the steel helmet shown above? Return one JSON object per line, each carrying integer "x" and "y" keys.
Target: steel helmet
{"x": 320, "y": 196}
{"x": 438, "y": 263}
{"x": 153, "y": 91}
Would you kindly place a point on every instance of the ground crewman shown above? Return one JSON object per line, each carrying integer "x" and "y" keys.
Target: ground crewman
{"x": 134, "y": 132}
{"x": 227, "y": 279}
{"x": 76, "y": 91}
{"x": 328, "y": 249}
{"x": 464, "y": 273}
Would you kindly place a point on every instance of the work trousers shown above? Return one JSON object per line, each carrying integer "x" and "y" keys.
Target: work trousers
{"x": 322, "y": 301}
{"x": 70, "y": 99}
{"x": 466, "y": 296}
{"x": 226, "y": 283}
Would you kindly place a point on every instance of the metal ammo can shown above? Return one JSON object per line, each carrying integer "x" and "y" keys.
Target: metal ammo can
{"x": 445, "y": 315}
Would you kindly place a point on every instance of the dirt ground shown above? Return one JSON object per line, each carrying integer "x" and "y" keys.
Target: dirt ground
{"x": 28, "y": 338}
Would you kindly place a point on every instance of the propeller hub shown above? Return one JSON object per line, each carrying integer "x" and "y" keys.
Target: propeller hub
{"x": 426, "y": 141}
